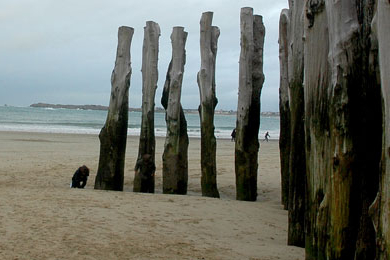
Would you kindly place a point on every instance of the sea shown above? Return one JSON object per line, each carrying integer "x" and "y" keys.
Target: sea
{"x": 77, "y": 121}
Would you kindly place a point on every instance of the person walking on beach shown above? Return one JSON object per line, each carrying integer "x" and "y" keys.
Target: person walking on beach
{"x": 266, "y": 136}
{"x": 146, "y": 168}
{"x": 80, "y": 177}
{"x": 233, "y": 135}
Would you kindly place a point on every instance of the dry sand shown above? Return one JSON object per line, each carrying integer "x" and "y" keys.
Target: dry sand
{"x": 42, "y": 218}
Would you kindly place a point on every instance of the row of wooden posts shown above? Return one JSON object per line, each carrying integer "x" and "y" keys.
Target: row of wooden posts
{"x": 113, "y": 135}
{"x": 335, "y": 127}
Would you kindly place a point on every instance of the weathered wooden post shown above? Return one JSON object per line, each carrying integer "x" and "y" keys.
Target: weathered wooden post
{"x": 208, "y": 101}
{"x": 147, "y": 140}
{"x": 248, "y": 108}
{"x": 297, "y": 164}
{"x": 175, "y": 156}
{"x": 318, "y": 132}
{"x": 113, "y": 135}
{"x": 284, "y": 105}
{"x": 343, "y": 123}
{"x": 381, "y": 208}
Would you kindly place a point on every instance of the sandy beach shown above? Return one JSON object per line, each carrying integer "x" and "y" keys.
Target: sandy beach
{"x": 42, "y": 218}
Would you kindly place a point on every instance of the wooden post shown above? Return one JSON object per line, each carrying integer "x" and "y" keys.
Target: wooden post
{"x": 284, "y": 105}
{"x": 147, "y": 140}
{"x": 343, "y": 129}
{"x": 381, "y": 208}
{"x": 208, "y": 101}
{"x": 113, "y": 135}
{"x": 175, "y": 156}
{"x": 297, "y": 164}
{"x": 248, "y": 108}
{"x": 318, "y": 132}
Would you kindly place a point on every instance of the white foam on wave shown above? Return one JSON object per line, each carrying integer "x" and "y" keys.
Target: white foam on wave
{"x": 159, "y": 132}
{"x": 48, "y": 129}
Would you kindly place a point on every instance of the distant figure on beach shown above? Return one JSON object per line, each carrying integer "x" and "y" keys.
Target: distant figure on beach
{"x": 80, "y": 177}
{"x": 145, "y": 168}
{"x": 233, "y": 135}
{"x": 266, "y": 136}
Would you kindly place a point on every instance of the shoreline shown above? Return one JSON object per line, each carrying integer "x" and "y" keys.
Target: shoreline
{"x": 128, "y": 135}
{"x": 70, "y": 121}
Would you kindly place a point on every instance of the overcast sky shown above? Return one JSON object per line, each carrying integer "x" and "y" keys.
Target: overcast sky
{"x": 64, "y": 51}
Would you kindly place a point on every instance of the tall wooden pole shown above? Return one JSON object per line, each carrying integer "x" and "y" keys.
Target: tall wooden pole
{"x": 381, "y": 208}
{"x": 113, "y": 135}
{"x": 317, "y": 75}
{"x": 147, "y": 140}
{"x": 251, "y": 80}
{"x": 297, "y": 164}
{"x": 343, "y": 121}
{"x": 206, "y": 80}
{"x": 284, "y": 105}
{"x": 175, "y": 156}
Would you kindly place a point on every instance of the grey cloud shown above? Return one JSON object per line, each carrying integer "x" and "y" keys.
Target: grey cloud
{"x": 69, "y": 46}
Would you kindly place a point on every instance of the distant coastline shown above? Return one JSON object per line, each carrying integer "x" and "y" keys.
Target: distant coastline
{"x": 157, "y": 109}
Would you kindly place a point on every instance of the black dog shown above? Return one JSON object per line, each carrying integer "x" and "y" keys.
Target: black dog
{"x": 80, "y": 177}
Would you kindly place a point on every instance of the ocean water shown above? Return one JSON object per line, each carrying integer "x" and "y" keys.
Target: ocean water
{"x": 47, "y": 120}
